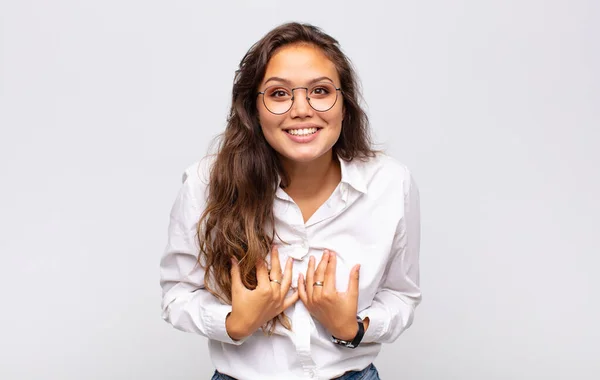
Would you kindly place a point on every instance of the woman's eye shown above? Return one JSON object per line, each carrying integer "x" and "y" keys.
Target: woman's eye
{"x": 279, "y": 93}
{"x": 320, "y": 91}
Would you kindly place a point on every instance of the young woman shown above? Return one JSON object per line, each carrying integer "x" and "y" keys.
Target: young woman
{"x": 295, "y": 248}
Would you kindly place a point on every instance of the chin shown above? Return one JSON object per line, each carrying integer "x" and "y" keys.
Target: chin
{"x": 303, "y": 157}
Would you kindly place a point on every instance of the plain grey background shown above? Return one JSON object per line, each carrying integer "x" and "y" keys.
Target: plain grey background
{"x": 494, "y": 106}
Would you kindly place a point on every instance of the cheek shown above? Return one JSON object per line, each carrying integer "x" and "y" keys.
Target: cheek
{"x": 336, "y": 118}
{"x": 264, "y": 119}
{"x": 336, "y": 115}
{"x": 268, "y": 122}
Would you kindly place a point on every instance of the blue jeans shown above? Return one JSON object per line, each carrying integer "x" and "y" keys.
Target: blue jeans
{"x": 369, "y": 373}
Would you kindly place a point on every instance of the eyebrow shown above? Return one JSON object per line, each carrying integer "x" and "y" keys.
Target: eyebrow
{"x": 286, "y": 81}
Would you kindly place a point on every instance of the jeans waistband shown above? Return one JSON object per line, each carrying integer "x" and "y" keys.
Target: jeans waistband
{"x": 350, "y": 375}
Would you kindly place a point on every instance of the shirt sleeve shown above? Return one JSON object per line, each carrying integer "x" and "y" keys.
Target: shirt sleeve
{"x": 393, "y": 307}
{"x": 186, "y": 304}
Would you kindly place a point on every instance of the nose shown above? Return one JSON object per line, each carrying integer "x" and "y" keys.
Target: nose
{"x": 300, "y": 106}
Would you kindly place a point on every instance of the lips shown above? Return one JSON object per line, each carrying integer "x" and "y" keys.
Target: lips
{"x": 305, "y": 136}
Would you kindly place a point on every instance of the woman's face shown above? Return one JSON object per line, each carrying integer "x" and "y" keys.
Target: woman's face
{"x": 302, "y": 134}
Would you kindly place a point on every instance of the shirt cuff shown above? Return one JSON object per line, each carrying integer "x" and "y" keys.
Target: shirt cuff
{"x": 377, "y": 324}
{"x": 215, "y": 325}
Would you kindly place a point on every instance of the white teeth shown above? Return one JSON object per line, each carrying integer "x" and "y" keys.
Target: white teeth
{"x": 302, "y": 132}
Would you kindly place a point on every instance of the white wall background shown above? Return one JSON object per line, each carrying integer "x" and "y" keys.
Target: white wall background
{"x": 494, "y": 105}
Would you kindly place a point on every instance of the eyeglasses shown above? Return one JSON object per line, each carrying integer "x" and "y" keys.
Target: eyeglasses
{"x": 279, "y": 99}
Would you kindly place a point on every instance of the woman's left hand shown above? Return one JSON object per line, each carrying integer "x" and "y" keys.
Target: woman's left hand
{"x": 336, "y": 311}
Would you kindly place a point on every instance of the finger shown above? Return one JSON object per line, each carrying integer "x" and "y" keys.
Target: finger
{"x": 275, "y": 264}
{"x": 236, "y": 278}
{"x": 330, "y": 272}
{"x": 262, "y": 274}
{"x": 310, "y": 273}
{"x": 289, "y": 301}
{"x": 320, "y": 274}
{"x": 287, "y": 276}
{"x": 320, "y": 271}
{"x": 353, "y": 282}
{"x": 302, "y": 289}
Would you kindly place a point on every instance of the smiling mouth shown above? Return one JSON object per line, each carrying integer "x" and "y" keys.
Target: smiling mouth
{"x": 302, "y": 131}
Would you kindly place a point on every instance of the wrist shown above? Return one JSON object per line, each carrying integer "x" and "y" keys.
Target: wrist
{"x": 346, "y": 332}
{"x": 234, "y": 327}
{"x": 355, "y": 340}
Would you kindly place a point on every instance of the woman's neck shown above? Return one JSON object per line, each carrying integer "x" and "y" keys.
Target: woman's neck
{"x": 308, "y": 179}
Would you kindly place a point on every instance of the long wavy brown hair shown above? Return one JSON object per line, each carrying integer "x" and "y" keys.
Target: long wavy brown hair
{"x": 238, "y": 220}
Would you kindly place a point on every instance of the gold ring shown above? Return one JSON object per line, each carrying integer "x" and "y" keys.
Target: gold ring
{"x": 277, "y": 281}
{"x": 318, "y": 283}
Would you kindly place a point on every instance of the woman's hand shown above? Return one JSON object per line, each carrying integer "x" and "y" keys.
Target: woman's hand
{"x": 336, "y": 311}
{"x": 251, "y": 309}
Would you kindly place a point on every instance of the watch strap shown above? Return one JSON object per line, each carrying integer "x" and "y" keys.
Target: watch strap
{"x": 357, "y": 339}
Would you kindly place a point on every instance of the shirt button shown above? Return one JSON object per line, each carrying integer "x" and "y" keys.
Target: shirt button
{"x": 312, "y": 373}
{"x": 304, "y": 244}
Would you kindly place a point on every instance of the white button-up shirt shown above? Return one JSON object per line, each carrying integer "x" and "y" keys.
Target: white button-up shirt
{"x": 371, "y": 219}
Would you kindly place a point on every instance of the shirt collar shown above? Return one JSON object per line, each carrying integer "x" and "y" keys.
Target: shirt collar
{"x": 351, "y": 175}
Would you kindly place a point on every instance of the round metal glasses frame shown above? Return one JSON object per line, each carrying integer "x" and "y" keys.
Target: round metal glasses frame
{"x": 294, "y": 96}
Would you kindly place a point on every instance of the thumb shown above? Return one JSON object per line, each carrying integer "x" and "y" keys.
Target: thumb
{"x": 353, "y": 282}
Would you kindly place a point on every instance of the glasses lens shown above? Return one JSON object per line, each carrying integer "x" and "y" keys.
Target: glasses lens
{"x": 322, "y": 96}
{"x": 278, "y": 99}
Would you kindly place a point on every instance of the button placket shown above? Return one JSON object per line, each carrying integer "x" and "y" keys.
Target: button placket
{"x": 312, "y": 373}
{"x": 301, "y": 320}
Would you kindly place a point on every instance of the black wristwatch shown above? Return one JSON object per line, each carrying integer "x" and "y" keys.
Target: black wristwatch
{"x": 356, "y": 341}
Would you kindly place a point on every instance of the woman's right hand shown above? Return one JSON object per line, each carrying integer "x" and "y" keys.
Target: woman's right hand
{"x": 251, "y": 309}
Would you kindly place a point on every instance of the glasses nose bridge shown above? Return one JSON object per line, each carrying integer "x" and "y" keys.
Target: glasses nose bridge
{"x": 296, "y": 88}
{"x": 305, "y": 107}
